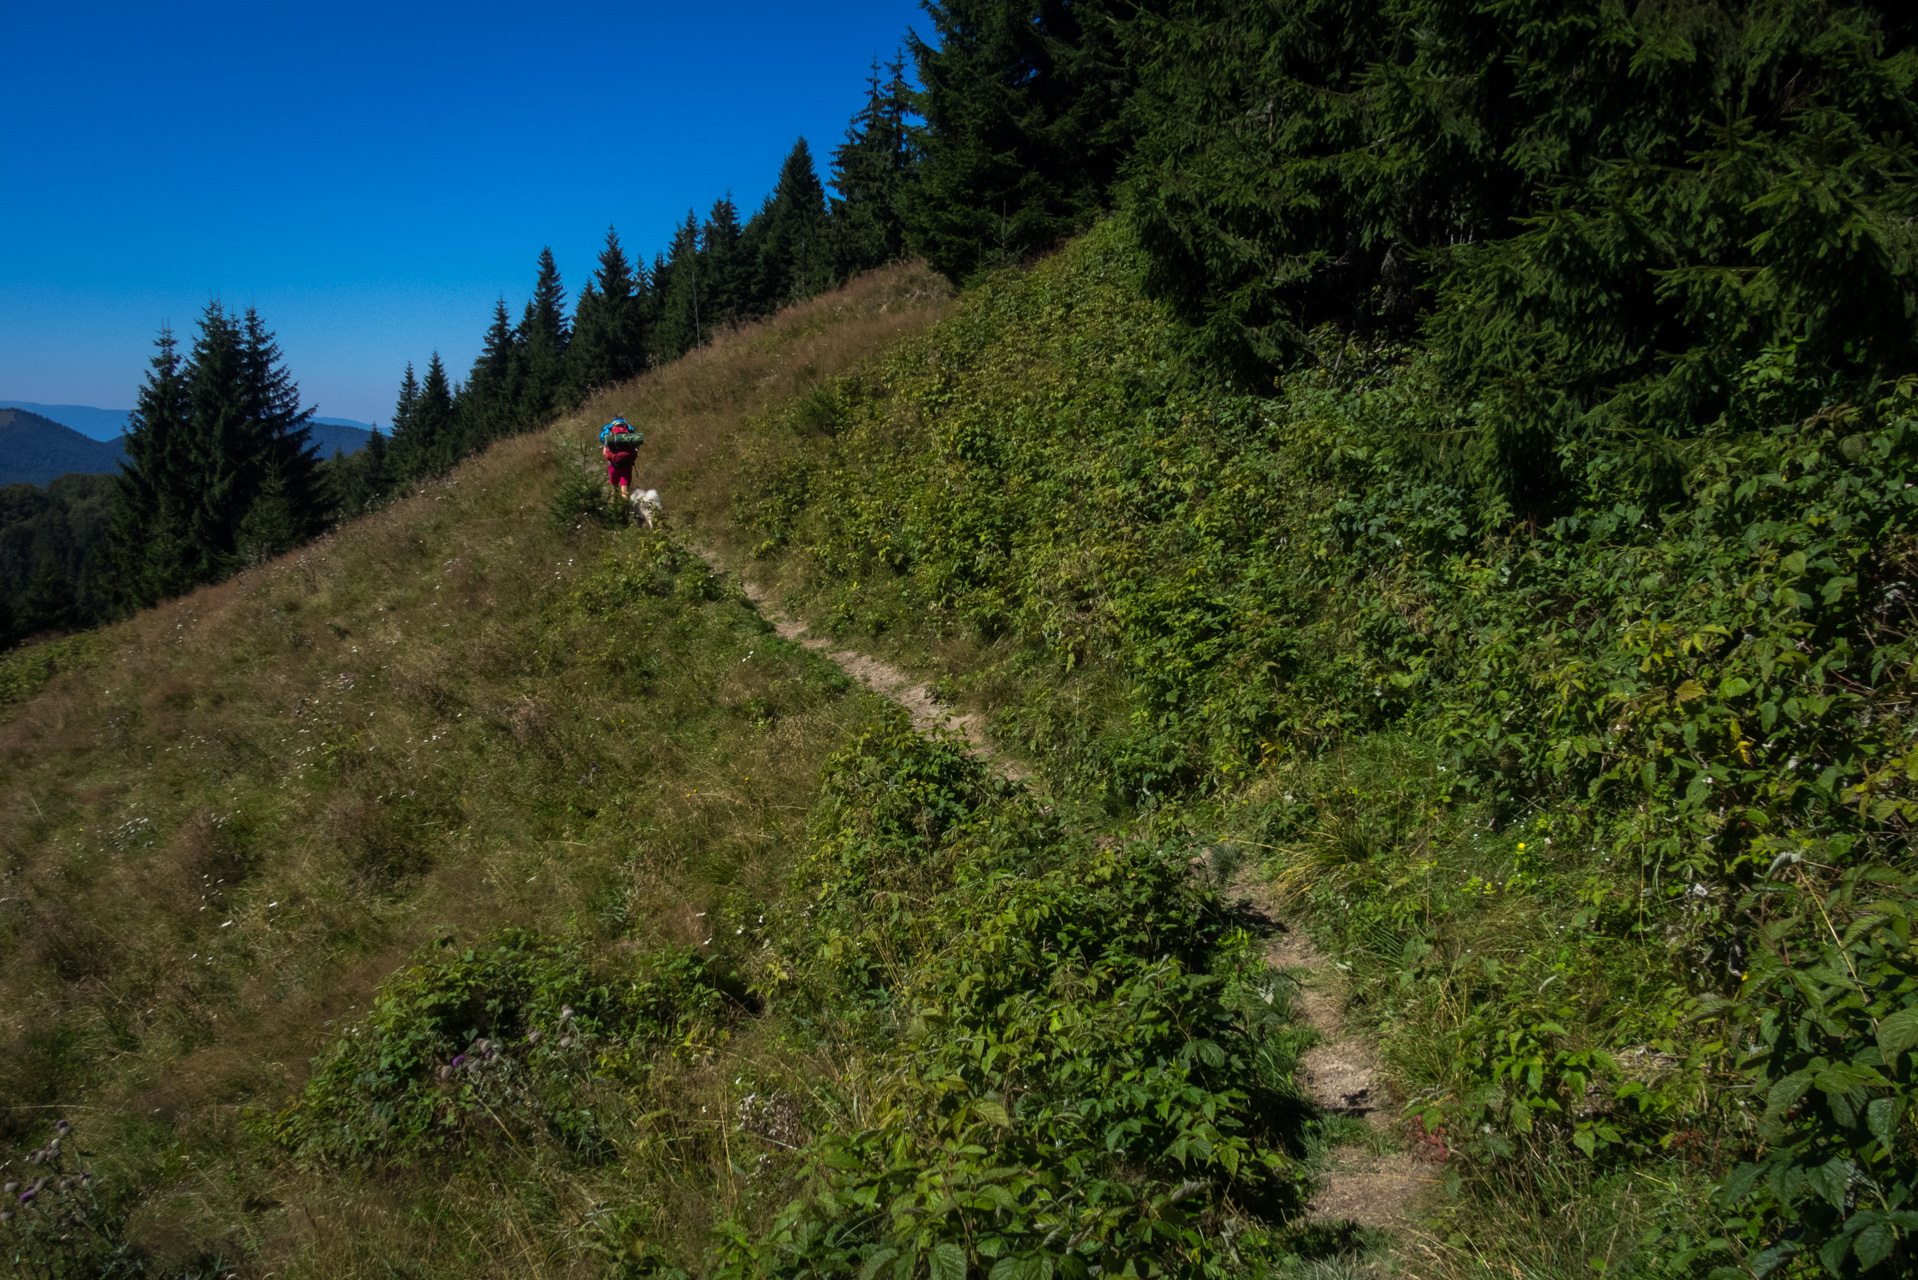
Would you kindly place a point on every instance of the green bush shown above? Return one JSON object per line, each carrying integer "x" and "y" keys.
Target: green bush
{"x": 524, "y": 1039}
{"x": 1080, "y": 1063}
{"x": 1598, "y": 732}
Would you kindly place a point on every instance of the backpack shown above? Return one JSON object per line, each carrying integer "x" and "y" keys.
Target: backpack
{"x": 617, "y": 436}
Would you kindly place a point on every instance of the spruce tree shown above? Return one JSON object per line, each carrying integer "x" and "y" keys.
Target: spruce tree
{"x": 870, "y": 171}
{"x": 1595, "y": 216}
{"x": 658, "y": 285}
{"x": 425, "y": 431}
{"x": 723, "y": 270}
{"x": 543, "y": 337}
{"x": 608, "y": 342}
{"x": 1026, "y": 125}
{"x": 154, "y": 488}
{"x": 401, "y": 461}
{"x": 681, "y": 323}
{"x": 787, "y": 237}
{"x": 490, "y": 405}
{"x": 223, "y": 462}
{"x": 358, "y": 480}
{"x": 586, "y": 356}
{"x": 285, "y": 458}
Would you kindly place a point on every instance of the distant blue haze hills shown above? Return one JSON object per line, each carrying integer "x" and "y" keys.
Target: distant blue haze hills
{"x": 41, "y": 441}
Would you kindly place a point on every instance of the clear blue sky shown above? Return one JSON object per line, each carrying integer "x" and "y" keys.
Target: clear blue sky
{"x": 373, "y": 176}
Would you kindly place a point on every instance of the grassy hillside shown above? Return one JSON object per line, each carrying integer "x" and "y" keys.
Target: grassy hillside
{"x": 226, "y": 821}
{"x": 633, "y": 940}
{"x": 1604, "y": 816}
{"x": 486, "y": 888}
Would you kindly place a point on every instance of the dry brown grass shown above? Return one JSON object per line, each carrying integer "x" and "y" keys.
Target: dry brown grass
{"x": 265, "y": 797}
{"x": 693, "y": 411}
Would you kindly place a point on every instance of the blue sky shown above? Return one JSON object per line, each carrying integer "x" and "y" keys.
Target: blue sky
{"x": 372, "y": 177}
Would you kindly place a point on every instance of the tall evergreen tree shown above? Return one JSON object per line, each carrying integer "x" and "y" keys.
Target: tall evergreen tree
{"x": 543, "y": 335}
{"x": 490, "y": 405}
{"x": 586, "y": 353}
{"x": 682, "y": 310}
{"x": 426, "y": 438}
{"x": 609, "y": 337}
{"x": 223, "y": 461}
{"x": 285, "y": 460}
{"x": 723, "y": 270}
{"x": 658, "y": 285}
{"x": 408, "y": 403}
{"x": 154, "y": 488}
{"x": 1026, "y": 127}
{"x": 786, "y": 239}
{"x": 870, "y": 171}
{"x": 1594, "y": 216}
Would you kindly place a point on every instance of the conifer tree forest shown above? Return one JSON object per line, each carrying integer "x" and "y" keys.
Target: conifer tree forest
{"x": 1465, "y": 455}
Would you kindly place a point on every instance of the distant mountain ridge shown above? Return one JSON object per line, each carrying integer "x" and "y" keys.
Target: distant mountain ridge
{"x": 78, "y": 437}
{"x": 95, "y": 424}
{"x": 108, "y": 424}
{"x": 36, "y": 449}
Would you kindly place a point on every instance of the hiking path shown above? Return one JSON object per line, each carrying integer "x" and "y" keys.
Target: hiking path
{"x": 1370, "y": 1185}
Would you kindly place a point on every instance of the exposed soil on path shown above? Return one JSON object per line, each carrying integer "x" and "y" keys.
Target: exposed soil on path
{"x": 881, "y": 677}
{"x": 1365, "y": 1185}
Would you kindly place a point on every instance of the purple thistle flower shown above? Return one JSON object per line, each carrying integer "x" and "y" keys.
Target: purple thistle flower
{"x": 62, "y": 1127}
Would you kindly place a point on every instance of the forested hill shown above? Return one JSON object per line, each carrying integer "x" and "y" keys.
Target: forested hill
{"x": 1453, "y": 468}
{"x": 33, "y": 450}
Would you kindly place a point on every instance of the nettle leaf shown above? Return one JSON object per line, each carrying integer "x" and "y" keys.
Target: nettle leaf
{"x": 1740, "y": 1184}
{"x": 1830, "y": 1180}
{"x": 1832, "y": 1254}
{"x": 1874, "y": 1243}
{"x": 1897, "y": 1034}
{"x": 947, "y": 1261}
{"x": 1881, "y": 1117}
{"x": 1787, "y": 1091}
{"x": 992, "y": 1112}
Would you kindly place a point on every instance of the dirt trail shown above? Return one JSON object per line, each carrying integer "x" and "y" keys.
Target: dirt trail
{"x": 1362, "y": 1186}
{"x": 1339, "y": 1073}
{"x": 881, "y": 677}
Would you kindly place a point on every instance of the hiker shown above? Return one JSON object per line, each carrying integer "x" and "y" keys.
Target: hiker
{"x": 620, "y": 443}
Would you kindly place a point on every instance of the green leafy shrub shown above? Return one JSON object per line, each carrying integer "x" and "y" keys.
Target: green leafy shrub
{"x": 1594, "y": 734}
{"x": 524, "y": 1039}
{"x": 1829, "y": 1020}
{"x": 1070, "y": 1036}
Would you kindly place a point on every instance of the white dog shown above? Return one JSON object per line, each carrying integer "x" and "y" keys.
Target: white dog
{"x": 646, "y": 506}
